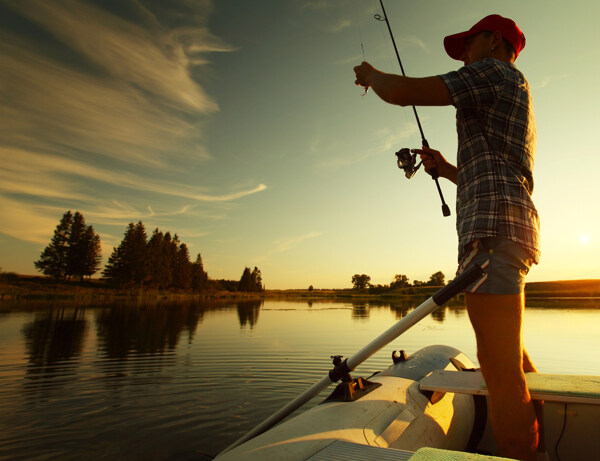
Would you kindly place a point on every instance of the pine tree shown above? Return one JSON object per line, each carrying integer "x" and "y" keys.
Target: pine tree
{"x": 245, "y": 283}
{"x": 182, "y": 273}
{"x": 256, "y": 280}
{"x": 93, "y": 252}
{"x": 53, "y": 260}
{"x": 199, "y": 276}
{"x": 127, "y": 263}
{"x": 76, "y": 252}
{"x": 113, "y": 271}
{"x": 155, "y": 259}
{"x": 138, "y": 258}
{"x": 167, "y": 260}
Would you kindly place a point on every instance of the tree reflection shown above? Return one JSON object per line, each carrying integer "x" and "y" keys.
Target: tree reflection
{"x": 248, "y": 311}
{"x": 401, "y": 308}
{"x": 439, "y": 315}
{"x": 124, "y": 329}
{"x": 360, "y": 311}
{"x": 55, "y": 335}
{"x": 52, "y": 340}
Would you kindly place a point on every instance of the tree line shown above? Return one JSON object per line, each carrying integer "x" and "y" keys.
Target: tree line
{"x": 362, "y": 282}
{"x": 159, "y": 262}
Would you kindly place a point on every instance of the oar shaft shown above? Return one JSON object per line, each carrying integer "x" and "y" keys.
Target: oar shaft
{"x": 423, "y": 310}
{"x": 411, "y": 319}
{"x": 441, "y": 297}
{"x": 374, "y": 346}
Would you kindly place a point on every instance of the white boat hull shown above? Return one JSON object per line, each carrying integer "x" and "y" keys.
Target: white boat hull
{"x": 394, "y": 415}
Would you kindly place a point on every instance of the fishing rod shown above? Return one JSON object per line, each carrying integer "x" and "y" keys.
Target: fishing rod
{"x": 405, "y": 160}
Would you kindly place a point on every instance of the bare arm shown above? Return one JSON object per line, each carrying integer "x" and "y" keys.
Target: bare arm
{"x": 403, "y": 91}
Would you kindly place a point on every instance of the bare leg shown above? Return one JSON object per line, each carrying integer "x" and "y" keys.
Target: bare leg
{"x": 538, "y": 405}
{"x": 528, "y": 365}
{"x": 497, "y": 321}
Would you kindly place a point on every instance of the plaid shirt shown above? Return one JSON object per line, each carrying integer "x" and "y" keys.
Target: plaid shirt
{"x": 496, "y": 151}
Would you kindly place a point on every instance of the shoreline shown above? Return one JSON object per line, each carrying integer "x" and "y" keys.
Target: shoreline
{"x": 38, "y": 288}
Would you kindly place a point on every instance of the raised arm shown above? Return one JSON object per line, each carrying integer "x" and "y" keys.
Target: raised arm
{"x": 403, "y": 91}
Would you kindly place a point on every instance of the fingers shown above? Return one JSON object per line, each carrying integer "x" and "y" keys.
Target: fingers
{"x": 426, "y": 151}
{"x": 362, "y": 71}
{"x": 429, "y": 157}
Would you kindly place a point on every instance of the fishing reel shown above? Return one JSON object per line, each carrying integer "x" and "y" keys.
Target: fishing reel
{"x": 408, "y": 162}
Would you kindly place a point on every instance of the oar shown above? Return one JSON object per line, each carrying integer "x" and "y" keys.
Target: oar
{"x": 442, "y": 296}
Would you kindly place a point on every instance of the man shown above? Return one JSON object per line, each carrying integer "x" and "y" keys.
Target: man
{"x": 496, "y": 218}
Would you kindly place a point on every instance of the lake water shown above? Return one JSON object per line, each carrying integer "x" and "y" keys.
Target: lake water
{"x": 172, "y": 381}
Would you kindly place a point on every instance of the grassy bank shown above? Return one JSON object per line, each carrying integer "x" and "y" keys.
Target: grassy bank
{"x": 557, "y": 289}
{"x": 564, "y": 289}
{"x": 17, "y": 287}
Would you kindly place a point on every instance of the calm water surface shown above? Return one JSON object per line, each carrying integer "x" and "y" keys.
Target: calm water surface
{"x": 168, "y": 381}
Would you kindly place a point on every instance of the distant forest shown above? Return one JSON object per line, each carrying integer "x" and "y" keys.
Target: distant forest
{"x": 159, "y": 262}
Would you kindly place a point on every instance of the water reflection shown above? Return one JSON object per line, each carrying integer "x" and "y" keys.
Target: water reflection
{"x": 360, "y": 311}
{"x": 439, "y": 315}
{"x": 248, "y": 312}
{"x": 53, "y": 336}
{"x": 150, "y": 329}
{"x": 54, "y": 342}
{"x": 402, "y": 308}
{"x": 121, "y": 379}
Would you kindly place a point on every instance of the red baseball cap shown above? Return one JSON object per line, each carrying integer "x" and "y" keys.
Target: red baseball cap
{"x": 455, "y": 44}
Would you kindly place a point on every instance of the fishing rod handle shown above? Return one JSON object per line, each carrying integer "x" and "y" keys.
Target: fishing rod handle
{"x": 434, "y": 173}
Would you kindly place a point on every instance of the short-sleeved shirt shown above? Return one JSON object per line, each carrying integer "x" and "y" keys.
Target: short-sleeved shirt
{"x": 496, "y": 152}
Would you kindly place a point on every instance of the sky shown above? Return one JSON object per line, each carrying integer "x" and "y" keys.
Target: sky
{"x": 237, "y": 126}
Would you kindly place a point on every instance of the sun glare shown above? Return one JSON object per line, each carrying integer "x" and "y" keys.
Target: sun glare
{"x": 584, "y": 239}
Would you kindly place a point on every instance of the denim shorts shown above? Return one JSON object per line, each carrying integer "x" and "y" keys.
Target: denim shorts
{"x": 505, "y": 263}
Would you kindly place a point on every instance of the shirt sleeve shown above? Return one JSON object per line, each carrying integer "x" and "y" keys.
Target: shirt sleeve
{"x": 476, "y": 85}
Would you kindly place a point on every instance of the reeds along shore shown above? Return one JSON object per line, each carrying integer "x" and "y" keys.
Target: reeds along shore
{"x": 42, "y": 288}
{"x": 37, "y": 288}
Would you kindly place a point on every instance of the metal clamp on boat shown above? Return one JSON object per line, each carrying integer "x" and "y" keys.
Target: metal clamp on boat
{"x": 349, "y": 389}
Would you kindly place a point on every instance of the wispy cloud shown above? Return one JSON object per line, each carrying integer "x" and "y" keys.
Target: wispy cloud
{"x": 287, "y": 243}
{"x": 43, "y": 175}
{"x": 33, "y": 223}
{"x": 383, "y": 140}
{"x": 547, "y": 80}
{"x": 126, "y": 92}
{"x": 416, "y": 41}
{"x": 102, "y": 110}
{"x": 340, "y": 25}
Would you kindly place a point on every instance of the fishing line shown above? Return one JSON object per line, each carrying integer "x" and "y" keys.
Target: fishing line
{"x": 362, "y": 46}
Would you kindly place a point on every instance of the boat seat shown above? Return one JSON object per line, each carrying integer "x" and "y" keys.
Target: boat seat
{"x": 436, "y": 454}
{"x": 553, "y": 388}
{"x": 341, "y": 450}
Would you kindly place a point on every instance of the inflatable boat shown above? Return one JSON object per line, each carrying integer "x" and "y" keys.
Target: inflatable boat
{"x": 431, "y": 405}
{"x": 386, "y": 410}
